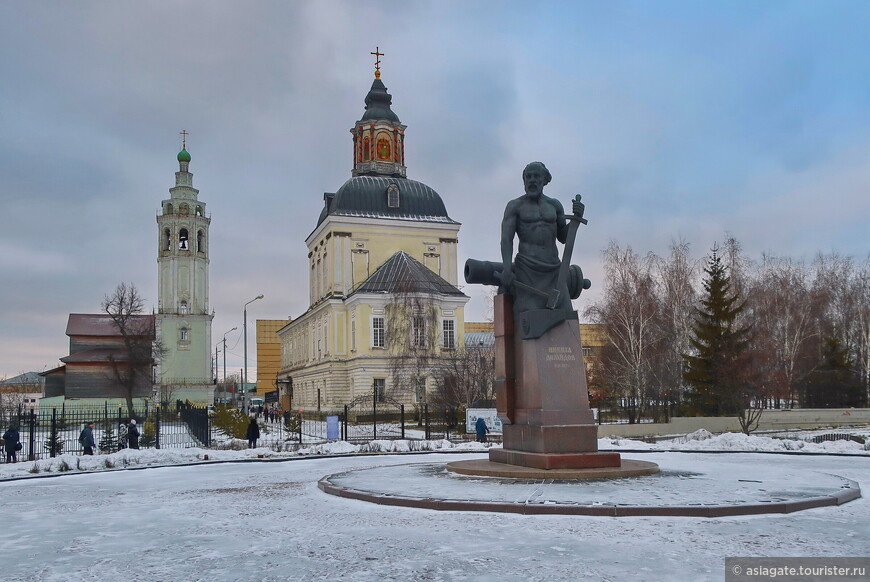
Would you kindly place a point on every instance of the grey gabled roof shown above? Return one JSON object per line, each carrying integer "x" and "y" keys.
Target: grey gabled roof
{"x": 402, "y": 273}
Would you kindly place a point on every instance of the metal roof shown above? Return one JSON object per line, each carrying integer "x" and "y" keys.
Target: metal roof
{"x": 378, "y": 103}
{"x": 479, "y": 339}
{"x": 402, "y": 273}
{"x": 366, "y": 196}
{"x": 96, "y": 355}
{"x": 102, "y": 324}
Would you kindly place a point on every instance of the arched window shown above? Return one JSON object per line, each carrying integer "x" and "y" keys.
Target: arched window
{"x": 393, "y": 196}
{"x": 200, "y": 241}
{"x": 182, "y": 239}
{"x": 199, "y": 210}
{"x": 182, "y": 308}
{"x": 184, "y": 209}
{"x": 184, "y": 334}
{"x": 167, "y": 240}
{"x": 168, "y": 209}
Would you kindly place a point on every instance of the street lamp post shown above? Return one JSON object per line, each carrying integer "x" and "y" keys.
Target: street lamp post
{"x": 245, "y": 332}
{"x": 225, "y": 359}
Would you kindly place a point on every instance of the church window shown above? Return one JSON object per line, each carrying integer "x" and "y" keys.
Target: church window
{"x": 199, "y": 210}
{"x": 182, "y": 239}
{"x": 200, "y": 241}
{"x": 184, "y": 334}
{"x": 168, "y": 209}
{"x": 393, "y": 196}
{"x": 167, "y": 239}
{"x": 184, "y": 209}
{"x": 449, "y": 334}
{"x": 418, "y": 324}
{"x": 182, "y": 308}
{"x": 379, "y": 385}
{"x": 378, "y": 332}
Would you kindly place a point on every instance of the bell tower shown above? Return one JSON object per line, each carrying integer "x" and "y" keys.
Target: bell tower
{"x": 379, "y": 137}
{"x": 183, "y": 317}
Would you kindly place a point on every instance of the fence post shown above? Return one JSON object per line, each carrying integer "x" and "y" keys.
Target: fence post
{"x": 446, "y": 424}
{"x": 207, "y": 427}
{"x": 157, "y": 427}
{"x": 52, "y": 449}
{"x": 344, "y": 424}
{"x": 31, "y": 454}
{"x": 300, "y": 428}
{"x": 426, "y": 414}
{"x": 402, "y": 419}
{"x": 374, "y": 414}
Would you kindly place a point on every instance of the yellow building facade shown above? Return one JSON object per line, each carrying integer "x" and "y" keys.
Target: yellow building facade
{"x": 269, "y": 355}
{"x": 382, "y": 264}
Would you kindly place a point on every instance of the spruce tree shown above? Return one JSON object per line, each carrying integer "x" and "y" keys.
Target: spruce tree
{"x": 833, "y": 383}
{"x": 108, "y": 443}
{"x": 712, "y": 370}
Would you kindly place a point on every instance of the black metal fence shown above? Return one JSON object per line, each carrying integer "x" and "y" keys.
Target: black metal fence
{"x": 54, "y": 431}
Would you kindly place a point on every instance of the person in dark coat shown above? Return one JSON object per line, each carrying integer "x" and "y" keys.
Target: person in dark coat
{"x": 86, "y": 439}
{"x": 12, "y": 444}
{"x": 133, "y": 434}
{"x": 481, "y": 429}
{"x": 253, "y": 433}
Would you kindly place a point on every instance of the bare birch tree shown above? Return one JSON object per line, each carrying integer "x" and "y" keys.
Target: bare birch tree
{"x": 677, "y": 276}
{"x": 132, "y": 368}
{"x": 630, "y": 313}
{"x": 412, "y": 341}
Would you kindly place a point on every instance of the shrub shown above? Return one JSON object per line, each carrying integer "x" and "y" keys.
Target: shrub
{"x": 149, "y": 435}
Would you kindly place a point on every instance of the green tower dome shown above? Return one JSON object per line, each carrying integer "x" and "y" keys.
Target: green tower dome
{"x": 183, "y": 156}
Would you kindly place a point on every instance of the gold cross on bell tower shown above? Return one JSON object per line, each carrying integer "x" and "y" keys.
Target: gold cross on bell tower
{"x": 378, "y": 56}
{"x": 184, "y": 135}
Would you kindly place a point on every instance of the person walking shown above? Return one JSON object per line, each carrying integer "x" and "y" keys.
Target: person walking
{"x": 86, "y": 439}
{"x": 253, "y": 433}
{"x": 12, "y": 443}
{"x": 133, "y": 434}
{"x": 481, "y": 429}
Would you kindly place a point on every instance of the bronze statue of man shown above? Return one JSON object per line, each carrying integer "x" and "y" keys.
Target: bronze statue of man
{"x": 538, "y": 221}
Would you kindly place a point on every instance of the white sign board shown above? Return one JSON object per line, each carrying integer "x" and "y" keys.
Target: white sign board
{"x": 493, "y": 422}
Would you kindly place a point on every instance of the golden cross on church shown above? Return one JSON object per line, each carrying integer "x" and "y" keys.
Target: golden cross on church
{"x": 184, "y": 135}
{"x": 378, "y": 56}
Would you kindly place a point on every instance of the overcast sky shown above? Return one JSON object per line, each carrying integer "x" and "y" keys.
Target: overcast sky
{"x": 673, "y": 119}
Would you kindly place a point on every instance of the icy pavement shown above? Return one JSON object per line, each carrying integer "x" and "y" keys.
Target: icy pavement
{"x": 267, "y": 521}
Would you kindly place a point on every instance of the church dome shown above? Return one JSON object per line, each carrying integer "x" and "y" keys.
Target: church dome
{"x": 378, "y": 103}
{"x": 183, "y": 156}
{"x": 386, "y": 197}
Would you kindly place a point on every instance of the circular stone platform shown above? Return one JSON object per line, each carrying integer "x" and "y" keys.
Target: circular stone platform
{"x": 485, "y": 468}
{"x": 724, "y": 488}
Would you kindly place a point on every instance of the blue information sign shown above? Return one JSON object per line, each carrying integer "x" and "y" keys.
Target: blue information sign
{"x": 332, "y": 428}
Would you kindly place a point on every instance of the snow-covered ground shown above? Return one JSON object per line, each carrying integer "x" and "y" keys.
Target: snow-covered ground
{"x": 267, "y": 521}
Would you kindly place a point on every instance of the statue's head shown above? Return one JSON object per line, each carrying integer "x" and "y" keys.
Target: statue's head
{"x": 535, "y": 177}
